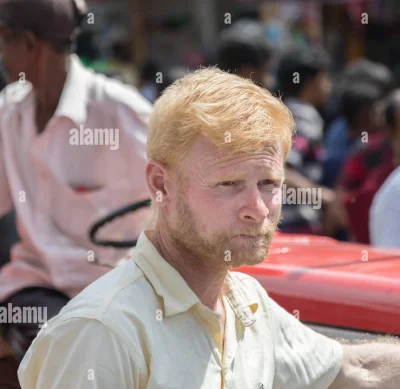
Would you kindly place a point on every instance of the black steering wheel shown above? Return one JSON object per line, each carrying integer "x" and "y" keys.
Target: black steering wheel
{"x": 112, "y": 216}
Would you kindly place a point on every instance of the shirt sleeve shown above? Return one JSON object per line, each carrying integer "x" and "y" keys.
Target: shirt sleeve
{"x": 384, "y": 221}
{"x": 304, "y": 359}
{"x": 385, "y": 228}
{"x": 78, "y": 354}
{"x": 6, "y": 203}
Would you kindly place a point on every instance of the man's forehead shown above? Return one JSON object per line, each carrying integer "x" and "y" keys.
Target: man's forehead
{"x": 203, "y": 146}
{"x": 205, "y": 156}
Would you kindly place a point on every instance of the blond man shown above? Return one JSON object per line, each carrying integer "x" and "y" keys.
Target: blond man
{"x": 176, "y": 315}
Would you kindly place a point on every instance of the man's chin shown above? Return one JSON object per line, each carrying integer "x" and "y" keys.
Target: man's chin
{"x": 251, "y": 257}
{"x": 252, "y": 253}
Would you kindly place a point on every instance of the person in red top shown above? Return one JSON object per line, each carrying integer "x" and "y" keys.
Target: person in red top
{"x": 363, "y": 174}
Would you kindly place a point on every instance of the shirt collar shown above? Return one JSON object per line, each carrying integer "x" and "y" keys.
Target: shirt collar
{"x": 73, "y": 100}
{"x": 243, "y": 303}
{"x": 176, "y": 294}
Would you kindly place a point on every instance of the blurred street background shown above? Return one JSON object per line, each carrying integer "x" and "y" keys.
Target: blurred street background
{"x": 151, "y": 43}
{"x": 183, "y": 33}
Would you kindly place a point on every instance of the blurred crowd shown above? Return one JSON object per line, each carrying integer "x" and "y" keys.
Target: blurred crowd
{"x": 347, "y": 140}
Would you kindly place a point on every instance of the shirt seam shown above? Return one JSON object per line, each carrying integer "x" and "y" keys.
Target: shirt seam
{"x": 132, "y": 352}
{"x": 103, "y": 308}
{"x": 332, "y": 373}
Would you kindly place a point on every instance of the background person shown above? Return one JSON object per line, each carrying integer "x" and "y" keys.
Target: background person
{"x": 357, "y": 79}
{"x": 304, "y": 85}
{"x": 364, "y": 130}
{"x": 243, "y": 50}
{"x": 59, "y": 189}
{"x": 384, "y": 215}
{"x": 368, "y": 165}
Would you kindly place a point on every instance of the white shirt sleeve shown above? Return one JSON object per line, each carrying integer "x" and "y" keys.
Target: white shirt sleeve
{"x": 384, "y": 214}
{"x": 304, "y": 359}
{"x": 385, "y": 228}
{"x": 78, "y": 354}
{"x": 6, "y": 203}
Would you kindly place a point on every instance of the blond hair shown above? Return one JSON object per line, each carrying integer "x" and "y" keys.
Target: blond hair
{"x": 236, "y": 115}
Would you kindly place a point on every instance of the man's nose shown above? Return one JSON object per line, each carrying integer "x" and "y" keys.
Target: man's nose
{"x": 254, "y": 208}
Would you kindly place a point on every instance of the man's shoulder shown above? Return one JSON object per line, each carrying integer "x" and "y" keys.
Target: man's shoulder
{"x": 308, "y": 120}
{"x": 120, "y": 305}
{"x": 120, "y": 292}
{"x": 112, "y": 91}
{"x": 251, "y": 285}
{"x": 14, "y": 93}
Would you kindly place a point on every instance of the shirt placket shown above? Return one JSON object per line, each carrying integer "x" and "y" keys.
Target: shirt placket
{"x": 212, "y": 323}
{"x": 223, "y": 344}
{"x": 233, "y": 332}
{"x": 41, "y": 160}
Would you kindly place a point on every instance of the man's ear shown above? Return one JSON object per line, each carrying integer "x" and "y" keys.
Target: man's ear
{"x": 31, "y": 40}
{"x": 159, "y": 183}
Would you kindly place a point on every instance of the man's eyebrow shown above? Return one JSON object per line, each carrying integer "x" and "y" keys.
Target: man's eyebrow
{"x": 237, "y": 176}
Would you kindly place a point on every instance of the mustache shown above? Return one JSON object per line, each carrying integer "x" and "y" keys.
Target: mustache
{"x": 266, "y": 229}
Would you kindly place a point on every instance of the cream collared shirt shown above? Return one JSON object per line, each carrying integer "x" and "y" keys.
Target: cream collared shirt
{"x": 141, "y": 326}
{"x": 40, "y": 175}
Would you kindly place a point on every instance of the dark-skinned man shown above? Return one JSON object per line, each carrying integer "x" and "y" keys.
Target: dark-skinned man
{"x": 72, "y": 148}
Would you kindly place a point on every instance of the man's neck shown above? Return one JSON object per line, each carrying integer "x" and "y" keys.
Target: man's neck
{"x": 205, "y": 280}
{"x": 48, "y": 90}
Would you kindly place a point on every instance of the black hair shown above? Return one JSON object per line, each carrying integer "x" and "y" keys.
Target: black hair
{"x": 369, "y": 72}
{"x": 357, "y": 98}
{"x": 242, "y": 44}
{"x": 148, "y": 70}
{"x": 80, "y": 10}
{"x": 306, "y": 62}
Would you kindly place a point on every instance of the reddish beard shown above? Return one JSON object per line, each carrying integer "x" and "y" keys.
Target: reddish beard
{"x": 223, "y": 248}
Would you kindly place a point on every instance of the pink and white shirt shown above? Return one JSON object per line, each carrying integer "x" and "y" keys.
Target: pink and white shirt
{"x": 63, "y": 180}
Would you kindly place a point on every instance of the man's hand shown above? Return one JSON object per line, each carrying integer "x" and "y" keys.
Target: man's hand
{"x": 369, "y": 366}
{"x": 335, "y": 216}
{"x": 295, "y": 180}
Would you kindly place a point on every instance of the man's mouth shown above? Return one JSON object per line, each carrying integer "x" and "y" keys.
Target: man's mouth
{"x": 248, "y": 237}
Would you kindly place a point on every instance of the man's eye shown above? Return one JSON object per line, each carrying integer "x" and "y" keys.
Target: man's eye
{"x": 229, "y": 183}
{"x": 267, "y": 182}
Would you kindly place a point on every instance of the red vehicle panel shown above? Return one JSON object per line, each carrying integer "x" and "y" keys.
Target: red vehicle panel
{"x": 333, "y": 283}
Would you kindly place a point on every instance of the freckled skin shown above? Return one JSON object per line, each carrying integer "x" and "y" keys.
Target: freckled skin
{"x": 207, "y": 214}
